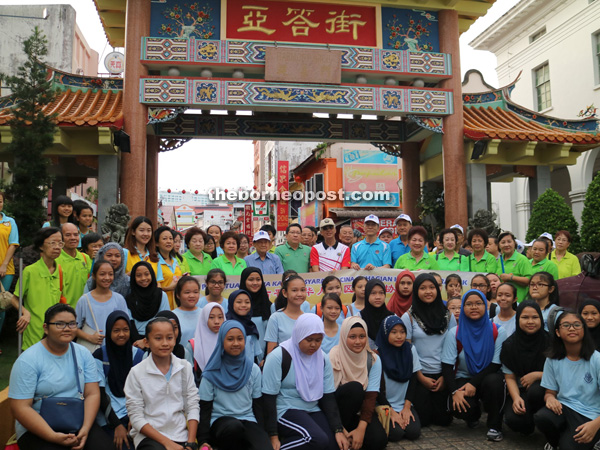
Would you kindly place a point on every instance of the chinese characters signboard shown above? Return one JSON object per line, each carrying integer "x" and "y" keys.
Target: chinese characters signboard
{"x": 301, "y": 22}
{"x": 248, "y": 220}
{"x": 283, "y": 174}
{"x": 115, "y": 63}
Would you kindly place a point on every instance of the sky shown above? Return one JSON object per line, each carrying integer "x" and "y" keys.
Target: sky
{"x": 213, "y": 159}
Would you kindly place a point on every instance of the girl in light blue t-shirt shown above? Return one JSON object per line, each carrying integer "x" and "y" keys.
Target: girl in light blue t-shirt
{"x": 571, "y": 417}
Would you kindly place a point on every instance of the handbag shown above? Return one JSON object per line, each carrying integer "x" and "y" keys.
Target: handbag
{"x": 384, "y": 415}
{"x": 5, "y": 298}
{"x": 65, "y": 414}
{"x": 89, "y": 330}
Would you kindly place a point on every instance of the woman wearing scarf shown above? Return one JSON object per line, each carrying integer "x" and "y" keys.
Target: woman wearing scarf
{"x": 179, "y": 350}
{"x": 298, "y": 391}
{"x": 240, "y": 308}
{"x": 375, "y": 310}
{"x": 357, "y": 378}
{"x": 145, "y": 299}
{"x": 113, "y": 253}
{"x": 252, "y": 281}
{"x": 427, "y": 322}
{"x": 471, "y": 364}
{"x": 523, "y": 357}
{"x": 590, "y": 311}
{"x": 402, "y": 298}
{"x": 230, "y": 392}
{"x": 400, "y": 362}
{"x": 205, "y": 337}
{"x": 114, "y": 361}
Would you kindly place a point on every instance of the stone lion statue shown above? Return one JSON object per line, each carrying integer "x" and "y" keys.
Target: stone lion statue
{"x": 115, "y": 226}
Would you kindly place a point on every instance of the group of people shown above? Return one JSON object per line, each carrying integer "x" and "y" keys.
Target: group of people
{"x": 161, "y": 365}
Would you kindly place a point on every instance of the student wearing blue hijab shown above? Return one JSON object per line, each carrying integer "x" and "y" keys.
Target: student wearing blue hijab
{"x": 239, "y": 307}
{"x": 471, "y": 365}
{"x": 230, "y": 392}
{"x": 400, "y": 362}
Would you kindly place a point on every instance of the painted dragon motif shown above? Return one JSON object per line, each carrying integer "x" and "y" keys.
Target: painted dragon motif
{"x": 280, "y": 94}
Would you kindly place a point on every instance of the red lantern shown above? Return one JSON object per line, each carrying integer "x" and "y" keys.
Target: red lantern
{"x": 212, "y": 217}
{"x": 269, "y": 184}
{"x": 226, "y": 190}
{"x": 297, "y": 179}
{"x": 196, "y": 191}
{"x": 254, "y": 188}
{"x": 169, "y": 191}
{"x": 178, "y": 215}
{"x": 183, "y": 192}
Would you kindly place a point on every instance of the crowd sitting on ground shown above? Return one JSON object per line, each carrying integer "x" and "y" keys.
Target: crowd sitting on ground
{"x": 158, "y": 364}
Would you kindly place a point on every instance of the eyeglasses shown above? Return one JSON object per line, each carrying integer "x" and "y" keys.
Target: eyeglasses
{"x": 538, "y": 285}
{"x": 474, "y": 305}
{"x": 574, "y": 325}
{"x": 479, "y": 286}
{"x": 217, "y": 283}
{"x": 63, "y": 325}
{"x": 54, "y": 244}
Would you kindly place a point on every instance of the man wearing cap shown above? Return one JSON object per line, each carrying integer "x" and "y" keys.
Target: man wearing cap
{"x": 294, "y": 255}
{"x": 399, "y": 246}
{"x": 268, "y": 263}
{"x": 371, "y": 252}
{"x": 329, "y": 254}
{"x": 386, "y": 235}
{"x": 460, "y": 240}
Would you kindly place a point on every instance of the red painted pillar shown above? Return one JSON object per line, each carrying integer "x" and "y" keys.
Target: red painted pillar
{"x": 152, "y": 179}
{"x": 133, "y": 165}
{"x": 455, "y": 176}
{"x": 411, "y": 178}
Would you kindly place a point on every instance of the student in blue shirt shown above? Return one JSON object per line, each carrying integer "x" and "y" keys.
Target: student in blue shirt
{"x": 187, "y": 295}
{"x": 240, "y": 309}
{"x": 298, "y": 391}
{"x": 331, "y": 310}
{"x": 571, "y": 417}
{"x": 471, "y": 364}
{"x": 400, "y": 363}
{"x": 543, "y": 289}
{"x": 230, "y": 393}
{"x": 371, "y": 252}
{"x": 114, "y": 360}
{"x": 357, "y": 378}
{"x": 47, "y": 369}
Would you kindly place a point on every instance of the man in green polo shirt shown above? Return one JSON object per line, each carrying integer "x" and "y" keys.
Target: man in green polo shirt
{"x": 294, "y": 255}
{"x": 75, "y": 265}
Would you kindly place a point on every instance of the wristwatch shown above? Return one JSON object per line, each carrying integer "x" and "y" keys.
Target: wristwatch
{"x": 191, "y": 445}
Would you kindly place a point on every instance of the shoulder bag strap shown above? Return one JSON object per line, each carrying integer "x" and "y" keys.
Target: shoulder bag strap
{"x": 76, "y": 370}
{"x": 92, "y": 312}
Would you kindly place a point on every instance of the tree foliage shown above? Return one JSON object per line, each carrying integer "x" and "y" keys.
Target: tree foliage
{"x": 550, "y": 213}
{"x": 590, "y": 217}
{"x": 32, "y": 133}
{"x": 432, "y": 207}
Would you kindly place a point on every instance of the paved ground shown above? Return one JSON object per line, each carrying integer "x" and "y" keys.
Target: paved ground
{"x": 458, "y": 436}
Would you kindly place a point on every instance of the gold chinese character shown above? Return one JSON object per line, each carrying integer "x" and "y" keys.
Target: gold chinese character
{"x": 254, "y": 20}
{"x": 341, "y": 23}
{"x": 301, "y": 24}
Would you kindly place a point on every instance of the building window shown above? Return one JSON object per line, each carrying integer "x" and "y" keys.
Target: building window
{"x": 535, "y": 36}
{"x": 596, "y": 41}
{"x": 542, "y": 87}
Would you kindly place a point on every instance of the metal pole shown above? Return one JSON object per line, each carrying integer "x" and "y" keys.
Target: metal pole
{"x": 20, "y": 340}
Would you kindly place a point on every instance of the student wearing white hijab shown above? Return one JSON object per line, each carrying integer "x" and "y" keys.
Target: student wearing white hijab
{"x": 298, "y": 391}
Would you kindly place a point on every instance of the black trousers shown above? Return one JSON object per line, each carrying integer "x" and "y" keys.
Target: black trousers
{"x": 491, "y": 393}
{"x": 534, "y": 400}
{"x": 411, "y": 432}
{"x": 432, "y": 407}
{"x": 151, "y": 444}
{"x": 349, "y": 398}
{"x": 301, "y": 430}
{"x": 97, "y": 440}
{"x": 559, "y": 430}
{"x": 229, "y": 433}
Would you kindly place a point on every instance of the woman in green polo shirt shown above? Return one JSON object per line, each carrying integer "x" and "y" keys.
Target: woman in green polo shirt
{"x": 41, "y": 285}
{"x": 449, "y": 259}
{"x": 228, "y": 262}
{"x": 195, "y": 261}
{"x": 480, "y": 261}
{"x": 568, "y": 263}
{"x": 539, "y": 261}
{"x": 513, "y": 267}
{"x": 417, "y": 259}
